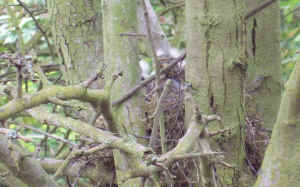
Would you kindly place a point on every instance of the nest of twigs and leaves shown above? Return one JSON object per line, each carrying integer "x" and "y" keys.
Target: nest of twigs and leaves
{"x": 257, "y": 139}
{"x": 173, "y": 116}
{"x": 173, "y": 106}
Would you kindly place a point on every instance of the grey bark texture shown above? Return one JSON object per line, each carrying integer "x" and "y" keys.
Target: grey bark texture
{"x": 216, "y": 70}
{"x": 263, "y": 85}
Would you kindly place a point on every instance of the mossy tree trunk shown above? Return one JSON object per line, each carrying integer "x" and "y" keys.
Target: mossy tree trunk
{"x": 216, "y": 68}
{"x": 121, "y": 55}
{"x": 281, "y": 165}
{"x": 263, "y": 75}
{"x": 77, "y": 33}
{"x": 78, "y": 37}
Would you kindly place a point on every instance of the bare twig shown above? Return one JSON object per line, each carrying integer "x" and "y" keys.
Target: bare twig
{"x": 45, "y": 141}
{"x": 76, "y": 153}
{"x": 145, "y": 82}
{"x": 24, "y": 138}
{"x": 49, "y": 135}
{"x": 93, "y": 78}
{"x": 60, "y": 102}
{"x": 225, "y": 164}
{"x": 38, "y": 26}
{"x": 61, "y": 147}
{"x": 259, "y": 8}
{"x": 220, "y": 132}
{"x": 133, "y": 35}
{"x": 96, "y": 149}
{"x": 19, "y": 81}
{"x": 171, "y": 8}
{"x": 195, "y": 155}
{"x": 150, "y": 37}
{"x": 60, "y": 170}
{"x": 292, "y": 11}
{"x": 162, "y": 131}
{"x": 37, "y": 68}
{"x": 157, "y": 114}
{"x": 183, "y": 173}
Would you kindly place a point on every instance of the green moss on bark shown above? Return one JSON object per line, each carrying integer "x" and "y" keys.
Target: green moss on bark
{"x": 281, "y": 165}
{"x": 216, "y": 65}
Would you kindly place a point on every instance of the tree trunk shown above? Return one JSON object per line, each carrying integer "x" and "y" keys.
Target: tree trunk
{"x": 281, "y": 165}
{"x": 121, "y": 56}
{"x": 216, "y": 69}
{"x": 263, "y": 74}
{"x": 77, "y": 33}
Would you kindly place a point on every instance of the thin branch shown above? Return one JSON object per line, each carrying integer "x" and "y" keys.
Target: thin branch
{"x": 196, "y": 128}
{"x": 219, "y": 132}
{"x": 38, "y": 26}
{"x": 96, "y": 149}
{"x": 60, "y": 170}
{"x": 225, "y": 164}
{"x": 49, "y": 135}
{"x": 60, "y": 102}
{"x": 171, "y": 8}
{"x": 195, "y": 155}
{"x": 133, "y": 35}
{"x": 147, "y": 81}
{"x": 45, "y": 141}
{"x": 157, "y": 114}
{"x": 76, "y": 153}
{"x": 7, "y": 131}
{"x": 19, "y": 81}
{"x": 259, "y": 8}
{"x": 162, "y": 132}
{"x": 292, "y": 11}
{"x": 150, "y": 37}
{"x": 37, "y": 68}
{"x": 61, "y": 147}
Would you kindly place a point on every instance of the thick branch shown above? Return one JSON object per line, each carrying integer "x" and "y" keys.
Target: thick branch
{"x": 41, "y": 97}
{"x": 84, "y": 129}
{"x": 181, "y": 151}
{"x": 92, "y": 172}
{"x": 186, "y": 143}
{"x": 25, "y": 168}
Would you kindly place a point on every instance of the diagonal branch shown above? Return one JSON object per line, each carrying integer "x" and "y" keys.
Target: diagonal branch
{"x": 91, "y": 172}
{"x": 150, "y": 38}
{"x": 147, "y": 81}
{"x": 31, "y": 173}
{"x": 259, "y": 8}
{"x": 48, "y": 135}
{"x": 38, "y": 26}
{"x": 85, "y": 129}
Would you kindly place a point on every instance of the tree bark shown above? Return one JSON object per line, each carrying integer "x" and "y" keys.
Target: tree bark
{"x": 10, "y": 181}
{"x": 23, "y": 167}
{"x": 263, "y": 73}
{"x": 77, "y": 33}
{"x": 281, "y": 165}
{"x": 121, "y": 56}
{"x": 216, "y": 69}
